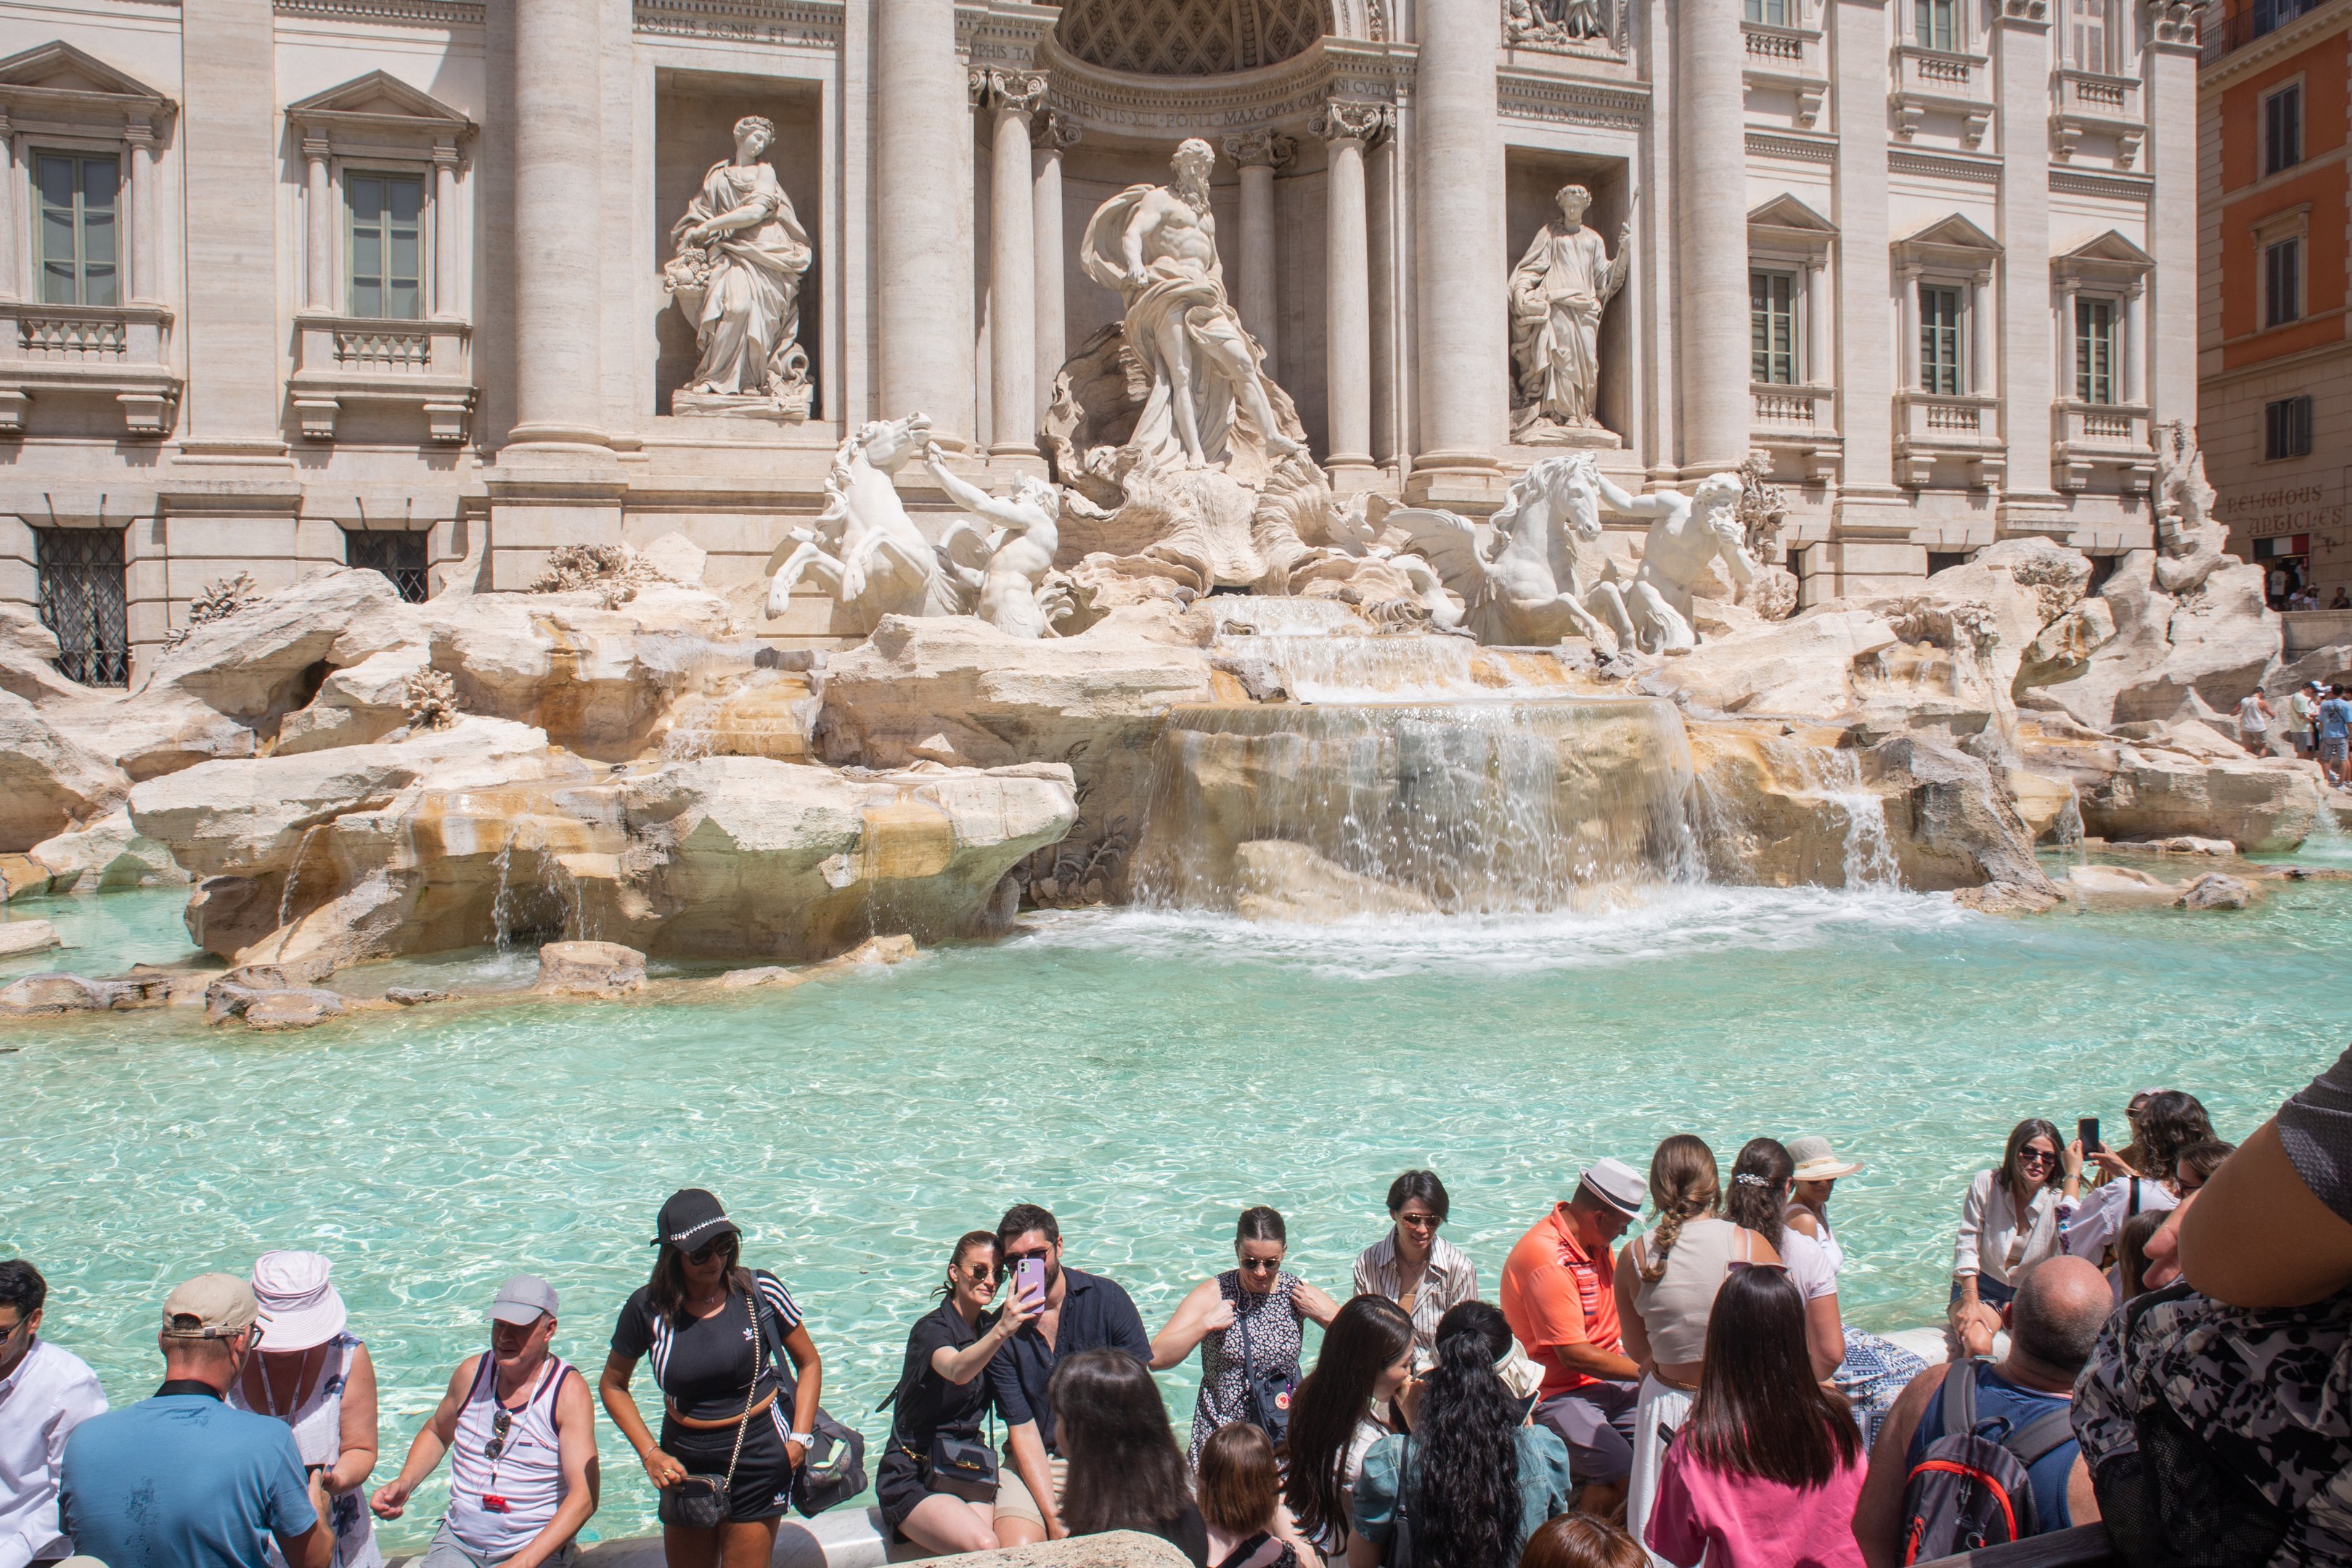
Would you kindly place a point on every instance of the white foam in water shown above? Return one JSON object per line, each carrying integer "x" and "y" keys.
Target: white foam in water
{"x": 1636, "y": 927}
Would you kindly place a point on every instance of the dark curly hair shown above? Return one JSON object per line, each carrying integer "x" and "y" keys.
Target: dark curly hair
{"x": 1465, "y": 1466}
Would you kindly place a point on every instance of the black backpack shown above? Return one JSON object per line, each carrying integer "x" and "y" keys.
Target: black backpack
{"x": 1969, "y": 1490}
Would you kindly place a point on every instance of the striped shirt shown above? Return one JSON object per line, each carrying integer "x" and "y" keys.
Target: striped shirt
{"x": 1449, "y": 1280}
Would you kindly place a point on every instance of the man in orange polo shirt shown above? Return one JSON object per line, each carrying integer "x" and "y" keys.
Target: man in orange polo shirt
{"x": 1559, "y": 1296}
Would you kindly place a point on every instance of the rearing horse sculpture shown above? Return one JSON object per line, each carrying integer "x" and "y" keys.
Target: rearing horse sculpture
{"x": 864, "y": 549}
{"x": 1521, "y": 575}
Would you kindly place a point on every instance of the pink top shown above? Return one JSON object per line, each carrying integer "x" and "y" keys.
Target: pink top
{"x": 1740, "y": 1522}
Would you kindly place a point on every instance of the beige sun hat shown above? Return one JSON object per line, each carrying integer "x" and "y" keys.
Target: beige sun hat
{"x": 1817, "y": 1162}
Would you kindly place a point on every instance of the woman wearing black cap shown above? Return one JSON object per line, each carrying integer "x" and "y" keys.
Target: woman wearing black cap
{"x": 722, "y": 1415}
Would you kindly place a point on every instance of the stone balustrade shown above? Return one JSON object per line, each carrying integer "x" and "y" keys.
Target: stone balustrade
{"x": 2092, "y": 436}
{"x": 88, "y": 350}
{"x": 2094, "y": 104}
{"x": 341, "y": 360}
{"x": 1932, "y": 426}
{"x": 1792, "y": 59}
{"x": 1801, "y": 421}
{"x": 1942, "y": 83}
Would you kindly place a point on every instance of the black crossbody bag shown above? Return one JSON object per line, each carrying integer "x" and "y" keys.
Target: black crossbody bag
{"x": 1269, "y": 1391}
{"x": 961, "y": 1466}
{"x": 699, "y": 1502}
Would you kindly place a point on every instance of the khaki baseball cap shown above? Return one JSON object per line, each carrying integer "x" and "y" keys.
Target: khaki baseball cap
{"x": 221, "y": 1304}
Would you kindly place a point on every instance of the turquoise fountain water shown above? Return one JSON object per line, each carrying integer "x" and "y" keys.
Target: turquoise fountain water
{"x": 1144, "y": 1074}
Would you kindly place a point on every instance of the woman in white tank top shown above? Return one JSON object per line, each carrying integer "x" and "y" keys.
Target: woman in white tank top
{"x": 315, "y": 1376}
{"x": 516, "y": 1461}
{"x": 1667, "y": 1284}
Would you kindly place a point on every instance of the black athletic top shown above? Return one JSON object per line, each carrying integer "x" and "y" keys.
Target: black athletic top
{"x": 929, "y": 1404}
{"x": 704, "y": 1366}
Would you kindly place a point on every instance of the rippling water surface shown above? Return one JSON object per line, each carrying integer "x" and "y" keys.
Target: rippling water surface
{"x": 1143, "y": 1075}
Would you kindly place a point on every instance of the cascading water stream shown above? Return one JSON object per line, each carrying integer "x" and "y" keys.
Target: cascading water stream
{"x": 1869, "y": 860}
{"x": 293, "y": 876}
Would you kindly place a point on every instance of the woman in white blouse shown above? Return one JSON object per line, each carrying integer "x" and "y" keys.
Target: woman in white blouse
{"x": 2009, "y": 1223}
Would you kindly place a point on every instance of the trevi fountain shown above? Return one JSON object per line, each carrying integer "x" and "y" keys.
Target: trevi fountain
{"x": 1181, "y": 828}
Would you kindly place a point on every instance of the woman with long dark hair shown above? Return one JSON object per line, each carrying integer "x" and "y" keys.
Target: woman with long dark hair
{"x": 1352, "y": 1399}
{"x": 1768, "y": 1465}
{"x": 1666, "y": 1285}
{"x": 2009, "y": 1223}
{"x": 713, "y": 1328}
{"x": 936, "y": 1483}
{"x": 1472, "y": 1480}
{"x": 1125, "y": 1469}
{"x": 2167, "y": 1122}
{"x": 1247, "y": 1323}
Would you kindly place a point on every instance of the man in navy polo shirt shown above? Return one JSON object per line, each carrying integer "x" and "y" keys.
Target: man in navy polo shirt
{"x": 1081, "y": 1312}
{"x": 182, "y": 1481}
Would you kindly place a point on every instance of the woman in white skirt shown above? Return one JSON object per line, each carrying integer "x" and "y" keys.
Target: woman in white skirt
{"x": 312, "y": 1373}
{"x": 1667, "y": 1284}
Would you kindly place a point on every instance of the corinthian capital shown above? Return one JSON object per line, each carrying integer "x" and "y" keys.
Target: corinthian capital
{"x": 1341, "y": 120}
{"x": 1265, "y": 146}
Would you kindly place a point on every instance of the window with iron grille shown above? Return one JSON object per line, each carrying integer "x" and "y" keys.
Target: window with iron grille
{"x": 83, "y": 599}
{"x": 1772, "y": 327}
{"x": 383, "y": 251}
{"x": 1939, "y": 341}
{"x": 2095, "y": 351}
{"x": 398, "y": 555}
{"x": 2282, "y": 128}
{"x": 2286, "y": 429}
{"x": 2282, "y": 281}
{"x": 78, "y": 197}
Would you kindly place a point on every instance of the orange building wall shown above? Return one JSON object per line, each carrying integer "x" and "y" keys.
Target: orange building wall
{"x": 2326, "y": 85}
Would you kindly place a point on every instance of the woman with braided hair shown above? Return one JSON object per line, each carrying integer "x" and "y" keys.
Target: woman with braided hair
{"x": 1665, "y": 1299}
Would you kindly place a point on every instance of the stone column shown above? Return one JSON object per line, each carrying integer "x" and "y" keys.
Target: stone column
{"x": 229, "y": 145}
{"x": 2067, "y": 348}
{"x": 923, "y": 345}
{"x": 1051, "y": 136}
{"x": 1462, "y": 327}
{"x": 2021, "y": 47}
{"x": 2169, "y": 62}
{"x": 1817, "y": 360}
{"x": 1978, "y": 377}
{"x": 558, "y": 150}
{"x": 1257, "y": 154}
{"x": 1346, "y": 128}
{"x": 1910, "y": 345}
{"x": 1869, "y": 369}
{"x": 9, "y": 184}
{"x": 2134, "y": 388}
{"x": 447, "y": 298}
{"x": 1710, "y": 201}
{"x": 1011, "y": 98}
{"x": 317, "y": 235}
{"x": 146, "y": 285}
{"x": 1391, "y": 436}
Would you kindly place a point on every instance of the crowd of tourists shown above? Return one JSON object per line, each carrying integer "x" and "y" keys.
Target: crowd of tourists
{"x": 1693, "y": 1394}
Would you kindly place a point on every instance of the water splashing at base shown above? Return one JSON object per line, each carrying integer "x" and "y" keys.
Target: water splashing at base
{"x": 1869, "y": 860}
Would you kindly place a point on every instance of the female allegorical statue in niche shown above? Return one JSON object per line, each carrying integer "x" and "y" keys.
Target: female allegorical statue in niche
{"x": 1557, "y": 292}
{"x": 736, "y": 276}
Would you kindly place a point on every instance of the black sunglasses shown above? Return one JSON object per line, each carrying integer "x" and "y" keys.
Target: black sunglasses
{"x": 710, "y": 1249}
{"x": 1262, "y": 1265}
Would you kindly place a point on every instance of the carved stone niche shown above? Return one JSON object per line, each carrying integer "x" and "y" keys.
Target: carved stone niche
{"x": 1532, "y": 181}
{"x": 104, "y": 336}
{"x": 375, "y": 337}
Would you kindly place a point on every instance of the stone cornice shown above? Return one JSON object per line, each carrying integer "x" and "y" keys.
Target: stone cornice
{"x": 1944, "y": 166}
{"x": 2265, "y": 51}
{"x": 1793, "y": 149}
{"x": 1285, "y": 94}
{"x": 403, "y": 13}
{"x": 2089, "y": 182}
{"x": 796, "y": 23}
{"x": 1606, "y": 106}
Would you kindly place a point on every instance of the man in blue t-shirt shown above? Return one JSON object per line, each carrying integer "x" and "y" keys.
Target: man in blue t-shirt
{"x": 2336, "y": 737}
{"x": 2054, "y": 1321}
{"x": 182, "y": 1481}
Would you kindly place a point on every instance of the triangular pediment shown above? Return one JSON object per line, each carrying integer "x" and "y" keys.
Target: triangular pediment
{"x": 378, "y": 95}
{"x": 2111, "y": 248}
{"x": 1953, "y": 233}
{"x": 1785, "y": 211}
{"x": 59, "y": 68}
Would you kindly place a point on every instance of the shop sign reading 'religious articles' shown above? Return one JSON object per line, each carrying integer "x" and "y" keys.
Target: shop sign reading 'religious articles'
{"x": 2300, "y": 505}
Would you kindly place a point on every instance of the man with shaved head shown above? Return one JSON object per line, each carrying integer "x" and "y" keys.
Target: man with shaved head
{"x": 2060, "y": 1307}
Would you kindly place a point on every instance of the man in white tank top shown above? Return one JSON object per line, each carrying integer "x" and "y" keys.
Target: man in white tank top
{"x": 521, "y": 1437}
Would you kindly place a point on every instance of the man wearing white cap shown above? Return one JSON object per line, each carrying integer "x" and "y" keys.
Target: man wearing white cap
{"x": 182, "y": 1480}
{"x": 1559, "y": 1296}
{"x": 522, "y": 1434}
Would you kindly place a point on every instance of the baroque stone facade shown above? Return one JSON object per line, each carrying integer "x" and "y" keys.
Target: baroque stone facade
{"x": 307, "y": 282}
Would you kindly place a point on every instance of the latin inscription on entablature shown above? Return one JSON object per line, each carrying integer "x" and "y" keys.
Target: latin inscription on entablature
{"x": 1545, "y": 98}
{"x": 794, "y": 24}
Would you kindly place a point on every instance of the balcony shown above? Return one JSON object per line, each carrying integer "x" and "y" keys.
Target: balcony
{"x": 2091, "y": 103}
{"x": 116, "y": 350}
{"x": 342, "y": 360}
{"x": 1963, "y": 430}
{"x": 2093, "y": 437}
{"x": 2220, "y": 36}
{"x": 1944, "y": 83}
{"x": 1790, "y": 60}
{"x": 1799, "y": 422}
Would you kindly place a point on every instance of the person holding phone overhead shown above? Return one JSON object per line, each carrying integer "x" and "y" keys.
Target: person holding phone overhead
{"x": 2167, "y": 1122}
{"x": 1074, "y": 1311}
{"x": 728, "y": 1445}
{"x": 1248, "y": 1323}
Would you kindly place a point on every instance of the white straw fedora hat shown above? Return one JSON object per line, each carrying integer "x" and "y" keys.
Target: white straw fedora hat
{"x": 299, "y": 1309}
{"x": 1817, "y": 1162}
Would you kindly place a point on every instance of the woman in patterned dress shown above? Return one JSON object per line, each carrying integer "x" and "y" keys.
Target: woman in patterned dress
{"x": 1247, "y": 1319}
